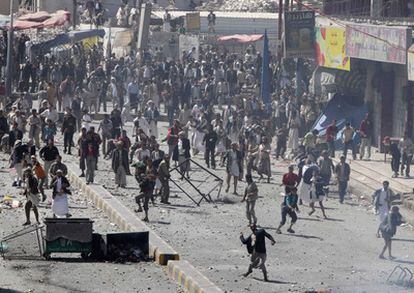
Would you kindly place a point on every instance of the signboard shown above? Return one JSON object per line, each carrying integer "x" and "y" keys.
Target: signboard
{"x": 121, "y": 45}
{"x": 378, "y": 43}
{"x": 165, "y": 42}
{"x": 330, "y": 48}
{"x": 410, "y": 63}
{"x": 90, "y": 42}
{"x": 299, "y": 34}
{"x": 186, "y": 44}
{"x": 192, "y": 21}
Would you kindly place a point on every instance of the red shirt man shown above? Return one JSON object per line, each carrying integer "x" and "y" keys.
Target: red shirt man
{"x": 290, "y": 181}
{"x": 331, "y": 131}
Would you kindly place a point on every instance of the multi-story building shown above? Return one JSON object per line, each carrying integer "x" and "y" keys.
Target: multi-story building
{"x": 377, "y": 36}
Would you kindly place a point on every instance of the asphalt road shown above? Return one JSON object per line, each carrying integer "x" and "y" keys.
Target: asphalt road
{"x": 68, "y": 273}
{"x": 339, "y": 254}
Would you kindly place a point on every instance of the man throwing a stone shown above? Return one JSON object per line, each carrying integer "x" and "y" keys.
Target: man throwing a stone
{"x": 256, "y": 246}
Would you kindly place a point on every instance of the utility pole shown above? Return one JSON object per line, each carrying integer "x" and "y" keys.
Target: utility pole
{"x": 279, "y": 28}
{"x": 75, "y": 9}
{"x": 9, "y": 64}
{"x": 376, "y": 8}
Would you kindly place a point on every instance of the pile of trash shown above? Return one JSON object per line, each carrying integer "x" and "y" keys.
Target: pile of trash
{"x": 9, "y": 202}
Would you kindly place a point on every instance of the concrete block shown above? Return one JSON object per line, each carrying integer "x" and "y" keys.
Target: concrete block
{"x": 190, "y": 278}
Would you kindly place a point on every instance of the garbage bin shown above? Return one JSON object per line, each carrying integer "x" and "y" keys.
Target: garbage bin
{"x": 68, "y": 236}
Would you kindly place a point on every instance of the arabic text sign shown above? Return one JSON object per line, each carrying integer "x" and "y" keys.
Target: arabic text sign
{"x": 299, "y": 34}
{"x": 378, "y": 43}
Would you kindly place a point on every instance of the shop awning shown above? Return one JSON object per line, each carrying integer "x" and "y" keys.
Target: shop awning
{"x": 59, "y": 40}
{"x": 328, "y": 80}
{"x": 62, "y": 39}
{"x": 241, "y": 38}
{"x": 77, "y": 36}
{"x": 23, "y": 25}
{"x": 40, "y": 19}
{"x": 36, "y": 17}
{"x": 57, "y": 20}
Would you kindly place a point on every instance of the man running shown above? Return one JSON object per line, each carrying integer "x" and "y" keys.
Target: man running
{"x": 256, "y": 246}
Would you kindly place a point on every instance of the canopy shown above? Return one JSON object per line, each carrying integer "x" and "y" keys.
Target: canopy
{"x": 23, "y": 24}
{"x": 36, "y": 16}
{"x": 241, "y": 38}
{"x": 77, "y": 36}
{"x": 343, "y": 109}
{"x": 61, "y": 39}
{"x": 56, "y": 20}
{"x": 40, "y": 19}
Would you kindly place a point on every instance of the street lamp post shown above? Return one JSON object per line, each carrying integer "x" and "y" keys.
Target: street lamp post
{"x": 9, "y": 63}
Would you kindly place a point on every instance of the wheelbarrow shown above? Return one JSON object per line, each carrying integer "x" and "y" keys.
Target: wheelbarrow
{"x": 69, "y": 235}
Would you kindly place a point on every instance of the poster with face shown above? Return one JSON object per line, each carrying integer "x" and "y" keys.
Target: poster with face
{"x": 299, "y": 34}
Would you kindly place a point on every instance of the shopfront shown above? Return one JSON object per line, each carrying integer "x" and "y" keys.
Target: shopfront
{"x": 383, "y": 50}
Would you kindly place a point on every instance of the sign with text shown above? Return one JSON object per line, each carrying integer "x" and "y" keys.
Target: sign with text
{"x": 193, "y": 23}
{"x": 299, "y": 36}
{"x": 378, "y": 43}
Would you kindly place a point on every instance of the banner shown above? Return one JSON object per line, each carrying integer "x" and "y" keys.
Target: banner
{"x": 330, "y": 48}
{"x": 299, "y": 36}
{"x": 193, "y": 23}
{"x": 378, "y": 43}
{"x": 265, "y": 78}
{"x": 410, "y": 63}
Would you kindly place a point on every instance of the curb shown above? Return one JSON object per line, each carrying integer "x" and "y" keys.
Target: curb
{"x": 181, "y": 271}
{"x": 358, "y": 176}
{"x": 123, "y": 217}
{"x": 356, "y": 186}
{"x": 190, "y": 279}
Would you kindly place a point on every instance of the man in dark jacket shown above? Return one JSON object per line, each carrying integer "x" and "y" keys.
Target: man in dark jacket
{"x": 181, "y": 154}
{"x": 120, "y": 164}
{"x": 15, "y": 134}
{"x": 4, "y": 126}
{"x": 68, "y": 129}
{"x": 164, "y": 177}
{"x": 90, "y": 152}
{"x": 17, "y": 157}
{"x": 210, "y": 140}
{"x": 256, "y": 246}
{"x": 342, "y": 171}
{"x": 32, "y": 194}
{"x": 48, "y": 153}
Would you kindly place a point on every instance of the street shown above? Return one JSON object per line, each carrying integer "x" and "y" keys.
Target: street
{"x": 339, "y": 254}
{"x": 69, "y": 273}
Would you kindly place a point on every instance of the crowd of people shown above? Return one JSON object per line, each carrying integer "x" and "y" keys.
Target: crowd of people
{"x": 213, "y": 108}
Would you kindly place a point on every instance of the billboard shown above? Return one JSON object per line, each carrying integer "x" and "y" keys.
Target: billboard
{"x": 193, "y": 23}
{"x": 330, "y": 48}
{"x": 378, "y": 43}
{"x": 299, "y": 38}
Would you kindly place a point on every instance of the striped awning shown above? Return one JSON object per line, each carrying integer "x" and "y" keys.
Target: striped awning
{"x": 328, "y": 80}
